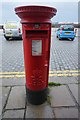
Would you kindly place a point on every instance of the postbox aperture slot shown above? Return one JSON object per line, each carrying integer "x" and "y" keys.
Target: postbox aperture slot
{"x": 36, "y": 47}
{"x": 36, "y": 32}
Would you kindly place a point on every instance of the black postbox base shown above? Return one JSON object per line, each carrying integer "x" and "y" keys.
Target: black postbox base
{"x": 36, "y": 97}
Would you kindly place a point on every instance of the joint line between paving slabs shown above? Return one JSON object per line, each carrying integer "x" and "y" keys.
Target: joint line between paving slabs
{"x": 25, "y": 108}
{"x": 74, "y": 99}
{"x": 6, "y": 100}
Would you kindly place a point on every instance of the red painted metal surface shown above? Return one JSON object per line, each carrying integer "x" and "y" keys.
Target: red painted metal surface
{"x": 35, "y": 13}
{"x": 36, "y": 27}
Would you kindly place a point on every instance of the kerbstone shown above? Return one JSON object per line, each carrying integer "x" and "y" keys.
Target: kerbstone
{"x": 14, "y": 114}
{"x": 0, "y": 82}
{"x": 66, "y": 112}
{"x": 63, "y": 80}
{"x": 17, "y": 98}
{"x": 39, "y": 111}
{"x": 74, "y": 90}
{"x": 13, "y": 81}
{"x": 60, "y": 96}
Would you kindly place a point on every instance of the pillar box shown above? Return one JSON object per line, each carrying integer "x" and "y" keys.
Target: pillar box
{"x": 36, "y": 34}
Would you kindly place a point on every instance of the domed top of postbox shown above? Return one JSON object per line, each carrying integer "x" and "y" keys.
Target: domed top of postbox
{"x": 35, "y": 13}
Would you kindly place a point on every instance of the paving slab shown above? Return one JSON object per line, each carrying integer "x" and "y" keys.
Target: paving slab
{"x": 79, "y": 94}
{"x": 66, "y": 112}
{"x": 74, "y": 90}
{"x": 5, "y": 92}
{"x": 79, "y": 115}
{"x": 78, "y": 79}
{"x": 17, "y": 98}
{"x": 60, "y": 96}
{"x": 63, "y": 80}
{"x": 0, "y": 100}
{"x": 39, "y": 111}
{"x": 13, "y": 81}
{"x": 14, "y": 114}
{"x": 0, "y": 117}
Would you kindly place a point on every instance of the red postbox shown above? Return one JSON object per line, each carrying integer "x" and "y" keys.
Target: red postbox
{"x": 36, "y": 33}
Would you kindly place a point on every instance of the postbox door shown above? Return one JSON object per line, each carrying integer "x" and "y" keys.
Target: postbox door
{"x": 36, "y": 49}
{"x": 39, "y": 64}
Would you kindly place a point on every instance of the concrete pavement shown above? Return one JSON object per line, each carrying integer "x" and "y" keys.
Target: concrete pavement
{"x": 62, "y": 101}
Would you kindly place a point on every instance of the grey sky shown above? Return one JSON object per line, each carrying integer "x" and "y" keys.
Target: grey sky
{"x": 66, "y": 11}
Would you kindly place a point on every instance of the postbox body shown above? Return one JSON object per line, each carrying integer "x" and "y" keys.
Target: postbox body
{"x": 36, "y": 54}
{"x": 36, "y": 28}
